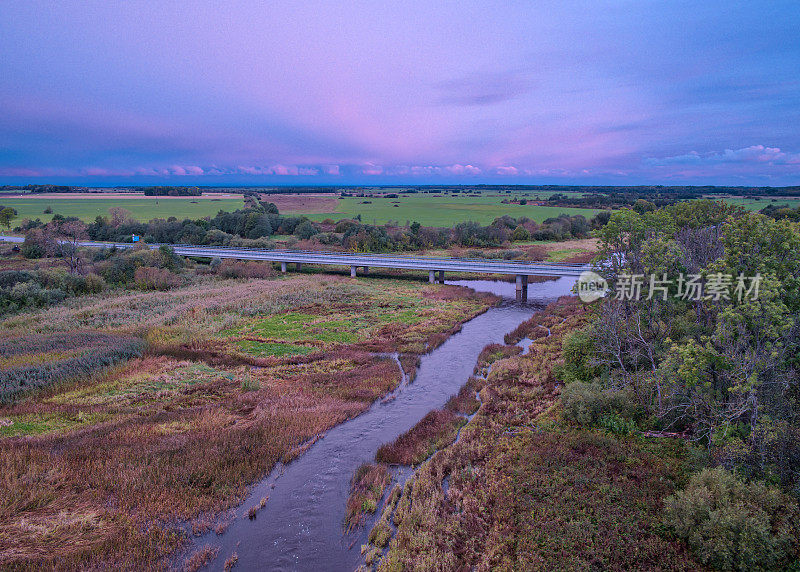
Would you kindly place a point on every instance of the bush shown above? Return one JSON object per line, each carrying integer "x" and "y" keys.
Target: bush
{"x": 579, "y": 351}
{"x": 344, "y": 225}
{"x": 305, "y": 230}
{"x": 590, "y": 405}
{"x": 328, "y": 238}
{"x": 244, "y": 269}
{"x": 150, "y": 278}
{"x": 730, "y": 525}
{"x": 31, "y": 250}
{"x": 520, "y": 233}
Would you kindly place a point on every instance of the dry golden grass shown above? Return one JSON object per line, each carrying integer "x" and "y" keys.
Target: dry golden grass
{"x": 518, "y": 491}
{"x": 97, "y": 472}
{"x": 366, "y": 489}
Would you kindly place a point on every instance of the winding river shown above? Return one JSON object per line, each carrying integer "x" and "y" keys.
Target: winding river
{"x": 300, "y": 527}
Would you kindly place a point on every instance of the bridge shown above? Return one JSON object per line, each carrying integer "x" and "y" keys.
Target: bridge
{"x": 435, "y": 266}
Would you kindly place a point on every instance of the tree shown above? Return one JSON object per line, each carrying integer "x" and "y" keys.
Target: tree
{"x": 119, "y": 216}
{"x": 7, "y": 214}
{"x": 71, "y": 233}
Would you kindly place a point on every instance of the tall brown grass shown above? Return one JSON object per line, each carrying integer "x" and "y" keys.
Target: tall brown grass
{"x": 178, "y": 434}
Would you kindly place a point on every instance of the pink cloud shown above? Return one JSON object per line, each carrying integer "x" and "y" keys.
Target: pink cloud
{"x": 22, "y": 172}
{"x": 370, "y": 169}
{"x": 751, "y": 154}
{"x": 458, "y": 169}
{"x": 506, "y": 170}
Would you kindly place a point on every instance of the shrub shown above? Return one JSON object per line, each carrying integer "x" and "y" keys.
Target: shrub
{"x": 512, "y": 254}
{"x": 306, "y": 230}
{"x": 31, "y": 250}
{"x": 328, "y": 238}
{"x": 38, "y": 243}
{"x": 578, "y": 349}
{"x": 730, "y": 525}
{"x": 589, "y": 404}
{"x": 520, "y": 233}
{"x": 150, "y": 278}
{"x": 344, "y": 225}
{"x": 244, "y": 269}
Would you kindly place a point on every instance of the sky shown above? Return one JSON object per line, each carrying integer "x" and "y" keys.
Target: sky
{"x": 412, "y": 92}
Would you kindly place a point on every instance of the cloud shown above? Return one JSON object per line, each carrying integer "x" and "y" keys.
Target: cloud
{"x": 506, "y": 170}
{"x": 458, "y": 169}
{"x": 330, "y": 169}
{"x": 22, "y": 172}
{"x": 483, "y": 89}
{"x": 371, "y": 169}
{"x": 279, "y": 170}
{"x": 751, "y": 154}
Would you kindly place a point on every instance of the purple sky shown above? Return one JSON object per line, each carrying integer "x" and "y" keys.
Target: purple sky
{"x": 595, "y": 92}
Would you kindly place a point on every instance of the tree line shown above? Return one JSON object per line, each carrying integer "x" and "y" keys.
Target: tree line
{"x": 257, "y": 223}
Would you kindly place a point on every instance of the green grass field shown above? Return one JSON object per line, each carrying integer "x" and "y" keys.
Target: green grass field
{"x": 142, "y": 209}
{"x": 430, "y": 210}
{"x": 754, "y": 205}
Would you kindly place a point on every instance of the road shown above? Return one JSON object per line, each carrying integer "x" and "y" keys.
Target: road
{"x": 357, "y": 260}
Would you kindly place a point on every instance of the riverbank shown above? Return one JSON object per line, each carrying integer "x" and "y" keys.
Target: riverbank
{"x": 520, "y": 489}
{"x": 237, "y": 375}
{"x": 302, "y": 522}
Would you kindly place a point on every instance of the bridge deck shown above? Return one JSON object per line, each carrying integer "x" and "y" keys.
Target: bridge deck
{"x": 353, "y": 260}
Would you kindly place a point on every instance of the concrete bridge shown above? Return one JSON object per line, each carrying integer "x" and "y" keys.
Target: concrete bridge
{"x": 435, "y": 266}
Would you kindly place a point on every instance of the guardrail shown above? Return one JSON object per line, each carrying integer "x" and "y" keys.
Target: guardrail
{"x": 357, "y": 259}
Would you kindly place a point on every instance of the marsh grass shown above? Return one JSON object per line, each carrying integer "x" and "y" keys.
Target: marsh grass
{"x": 366, "y": 489}
{"x": 434, "y": 431}
{"x": 35, "y": 361}
{"x": 525, "y": 492}
{"x": 96, "y": 469}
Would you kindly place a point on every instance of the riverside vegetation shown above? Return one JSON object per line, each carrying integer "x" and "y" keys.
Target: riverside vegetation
{"x": 155, "y": 396}
{"x": 658, "y": 433}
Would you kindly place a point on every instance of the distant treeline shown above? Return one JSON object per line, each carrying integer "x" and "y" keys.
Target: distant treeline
{"x": 779, "y": 212}
{"x": 170, "y": 191}
{"x": 44, "y": 188}
{"x": 254, "y": 225}
{"x": 639, "y": 191}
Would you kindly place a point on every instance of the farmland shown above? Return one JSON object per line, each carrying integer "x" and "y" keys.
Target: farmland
{"x": 434, "y": 210}
{"x": 142, "y": 208}
{"x": 752, "y": 204}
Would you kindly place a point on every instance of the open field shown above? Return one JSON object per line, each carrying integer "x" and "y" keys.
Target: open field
{"x": 431, "y": 210}
{"x": 142, "y": 208}
{"x": 304, "y": 204}
{"x": 234, "y": 376}
{"x": 757, "y": 205}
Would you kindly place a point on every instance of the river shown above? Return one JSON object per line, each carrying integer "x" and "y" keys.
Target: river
{"x": 300, "y": 527}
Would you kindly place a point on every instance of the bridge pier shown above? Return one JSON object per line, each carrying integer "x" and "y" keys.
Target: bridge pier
{"x": 283, "y": 267}
{"x": 366, "y": 270}
{"x": 352, "y": 272}
{"x": 431, "y": 276}
{"x": 441, "y": 276}
{"x": 522, "y": 287}
{"x": 299, "y": 266}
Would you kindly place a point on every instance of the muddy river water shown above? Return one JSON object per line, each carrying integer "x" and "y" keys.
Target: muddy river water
{"x": 300, "y": 526}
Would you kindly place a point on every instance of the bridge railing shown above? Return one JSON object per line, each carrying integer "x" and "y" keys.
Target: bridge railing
{"x": 353, "y": 255}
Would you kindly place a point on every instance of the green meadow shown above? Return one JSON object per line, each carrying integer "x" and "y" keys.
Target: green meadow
{"x": 758, "y": 204}
{"x": 431, "y": 210}
{"x": 143, "y": 209}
